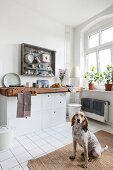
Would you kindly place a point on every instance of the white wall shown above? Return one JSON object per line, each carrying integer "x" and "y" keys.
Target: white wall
{"x": 79, "y": 36}
{"x": 21, "y": 25}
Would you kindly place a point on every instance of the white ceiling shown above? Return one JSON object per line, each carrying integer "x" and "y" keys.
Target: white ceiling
{"x": 70, "y": 12}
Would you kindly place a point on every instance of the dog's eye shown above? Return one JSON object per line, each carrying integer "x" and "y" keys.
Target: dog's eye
{"x": 81, "y": 115}
{"x": 76, "y": 114}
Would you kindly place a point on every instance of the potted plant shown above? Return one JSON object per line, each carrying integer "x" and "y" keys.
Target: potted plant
{"x": 92, "y": 77}
{"x": 107, "y": 77}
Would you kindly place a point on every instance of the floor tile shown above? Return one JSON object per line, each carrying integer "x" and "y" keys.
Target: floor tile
{"x": 48, "y": 148}
{"x": 17, "y": 168}
{"x": 15, "y": 144}
{"x": 23, "y": 157}
{"x": 29, "y": 135}
{"x": 5, "y": 155}
{"x": 37, "y": 152}
{"x": 25, "y": 166}
{"x": 50, "y": 139}
{"x": 30, "y": 146}
{"x": 23, "y": 139}
{"x": 18, "y": 150}
{"x": 9, "y": 163}
{"x": 57, "y": 144}
{"x": 66, "y": 141}
{"x": 40, "y": 142}
{"x": 43, "y": 135}
{"x": 34, "y": 138}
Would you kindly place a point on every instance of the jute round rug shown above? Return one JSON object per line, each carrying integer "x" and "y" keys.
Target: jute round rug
{"x": 59, "y": 159}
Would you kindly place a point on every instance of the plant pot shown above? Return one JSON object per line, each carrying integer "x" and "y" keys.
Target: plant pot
{"x": 91, "y": 86}
{"x": 108, "y": 87}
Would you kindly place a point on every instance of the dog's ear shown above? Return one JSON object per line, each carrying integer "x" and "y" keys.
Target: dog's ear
{"x": 85, "y": 124}
{"x": 73, "y": 120}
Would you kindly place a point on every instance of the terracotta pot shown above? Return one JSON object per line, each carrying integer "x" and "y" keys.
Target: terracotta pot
{"x": 91, "y": 86}
{"x": 108, "y": 87}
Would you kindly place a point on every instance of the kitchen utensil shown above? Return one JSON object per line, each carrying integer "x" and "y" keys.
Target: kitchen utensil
{"x": 37, "y": 59}
{"x": 11, "y": 79}
{"x": 29, "y": 58}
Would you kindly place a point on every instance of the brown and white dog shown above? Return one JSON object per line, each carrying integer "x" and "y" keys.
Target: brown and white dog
{"x": 84, "y": 138}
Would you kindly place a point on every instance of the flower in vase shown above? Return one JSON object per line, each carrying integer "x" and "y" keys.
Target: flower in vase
{"x": 62, "y": 73}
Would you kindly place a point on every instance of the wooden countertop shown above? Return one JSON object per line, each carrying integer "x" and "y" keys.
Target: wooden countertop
{"x": 13, "y": 91}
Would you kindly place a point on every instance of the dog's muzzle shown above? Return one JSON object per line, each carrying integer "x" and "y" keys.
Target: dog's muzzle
{"x": 78, "y": 120}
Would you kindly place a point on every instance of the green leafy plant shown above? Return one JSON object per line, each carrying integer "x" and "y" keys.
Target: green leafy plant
{"x": 92, "y": 76}
{"x": 107, "y": 76}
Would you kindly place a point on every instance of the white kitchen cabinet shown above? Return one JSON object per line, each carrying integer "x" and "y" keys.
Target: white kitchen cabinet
{"x": 47, "y": 110}
{"x": 20, "y": 125}
{"x": 56, "y": 113}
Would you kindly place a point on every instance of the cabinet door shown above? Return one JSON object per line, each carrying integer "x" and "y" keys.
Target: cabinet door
{"x": 60, "y": 116}
{"x": 48, "y": 101}
{"x": 48, "y": 118}
{"x": 24, "y": 125}
{"x": 59, "y": 100}
{"x": 36, "y": 103}
{"x": 55, "y": 111}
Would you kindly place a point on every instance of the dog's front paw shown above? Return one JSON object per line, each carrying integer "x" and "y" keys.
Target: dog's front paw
{"x": 84, "y": 166}
{"x": 72, "y": 157}
{"x": 89, "y": 160}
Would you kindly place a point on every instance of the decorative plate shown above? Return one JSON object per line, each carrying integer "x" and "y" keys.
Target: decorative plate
{"x": 11, "y": 79}
{"x": 29, "y": 58}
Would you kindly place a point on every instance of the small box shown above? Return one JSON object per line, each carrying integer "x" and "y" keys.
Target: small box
{"x": 46, "y": 58}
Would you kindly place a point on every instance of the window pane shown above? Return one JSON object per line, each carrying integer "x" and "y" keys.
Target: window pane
{"x": 91, "y": 61}
{"x": 94, "y": 40}
{"x": 107, "y": 35}
{"x": 105, "y": 59}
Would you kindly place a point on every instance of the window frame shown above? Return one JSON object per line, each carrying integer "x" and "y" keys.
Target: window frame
{"x": 104, "y": 46}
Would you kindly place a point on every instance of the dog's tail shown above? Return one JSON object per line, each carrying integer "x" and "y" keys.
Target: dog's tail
{"x": 104, "y": 149}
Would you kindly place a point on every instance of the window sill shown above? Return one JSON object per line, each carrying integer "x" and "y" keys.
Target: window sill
{"x": 98, "y": 90}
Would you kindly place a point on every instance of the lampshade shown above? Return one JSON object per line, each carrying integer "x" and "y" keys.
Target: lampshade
{"x": 75, "y": 72}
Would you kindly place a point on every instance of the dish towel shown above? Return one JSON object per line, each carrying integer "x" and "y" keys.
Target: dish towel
{"x": 23, "y": 105}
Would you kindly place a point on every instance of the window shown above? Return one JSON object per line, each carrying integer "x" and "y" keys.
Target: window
{"x": 104, "y": 59}
{"x": 107, "y": 35}
{"x": 94, "y": 40}
{"x": 99, "y": 49}
{"x": 91, "y": 61}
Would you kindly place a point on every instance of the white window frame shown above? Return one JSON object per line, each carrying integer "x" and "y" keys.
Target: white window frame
{"x": 108, "y": 45}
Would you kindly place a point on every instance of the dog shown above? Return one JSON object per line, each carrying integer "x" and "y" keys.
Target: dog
{"x": 85, "y": 138}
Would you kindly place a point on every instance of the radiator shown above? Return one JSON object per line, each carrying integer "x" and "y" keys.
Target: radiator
{"x": 96, "y": 109}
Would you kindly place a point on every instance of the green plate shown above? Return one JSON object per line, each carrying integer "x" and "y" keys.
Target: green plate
{"x": 11, "y": 79}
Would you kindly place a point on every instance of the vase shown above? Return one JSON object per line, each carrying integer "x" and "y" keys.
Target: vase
{"x": 61, "y": 82}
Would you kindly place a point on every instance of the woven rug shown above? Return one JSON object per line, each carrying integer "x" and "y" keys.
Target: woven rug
{"x": 59, "y": 159}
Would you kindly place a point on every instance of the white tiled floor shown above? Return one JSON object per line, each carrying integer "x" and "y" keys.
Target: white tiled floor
{"x": 39, "y": 143}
